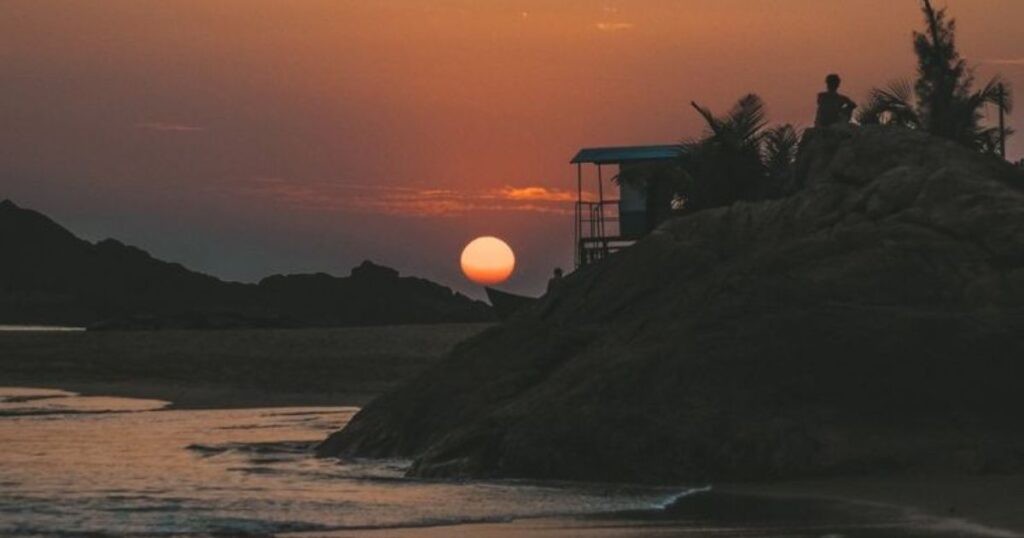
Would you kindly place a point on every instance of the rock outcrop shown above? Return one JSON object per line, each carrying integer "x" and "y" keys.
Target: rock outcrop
{"x": 872, "y": 321}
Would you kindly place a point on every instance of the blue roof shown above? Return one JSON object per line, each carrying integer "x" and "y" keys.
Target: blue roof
{"x": 625, "y": 154}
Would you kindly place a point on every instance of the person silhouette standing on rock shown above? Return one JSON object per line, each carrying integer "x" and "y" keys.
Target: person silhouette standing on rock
{"x": 556, "y": 280}
{"x": 833, "y": 107}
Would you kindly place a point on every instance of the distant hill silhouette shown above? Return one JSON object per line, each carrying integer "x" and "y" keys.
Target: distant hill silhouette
{"x": 50, "y": 276}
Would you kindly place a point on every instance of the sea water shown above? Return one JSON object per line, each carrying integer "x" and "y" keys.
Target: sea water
{"x": 39, "y": 329}
{"x": 73, "y": 465}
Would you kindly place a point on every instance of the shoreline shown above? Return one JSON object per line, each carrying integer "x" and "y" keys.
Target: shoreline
{"x": 994, "y": 502}
{"x": 350, "y": 367}
{"x": 959, "y": 505}
{"x": 343, "y": 366}
{"x": 198, "y": 396}
{"x": 863, "y": 498}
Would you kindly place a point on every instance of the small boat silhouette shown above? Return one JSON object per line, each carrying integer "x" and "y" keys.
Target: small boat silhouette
{"x": 505, "y": 304}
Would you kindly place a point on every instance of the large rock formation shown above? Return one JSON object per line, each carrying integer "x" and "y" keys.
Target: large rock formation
{"x": 872, "y": 321}
{"x": 49, "y": 276}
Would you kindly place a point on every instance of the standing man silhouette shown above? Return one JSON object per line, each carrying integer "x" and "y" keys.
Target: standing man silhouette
{"x": 833, "y": 107}
{"x": 556, "y": 280}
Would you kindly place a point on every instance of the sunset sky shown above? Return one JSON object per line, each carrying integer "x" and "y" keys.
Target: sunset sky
{"x": 248, "y": 137}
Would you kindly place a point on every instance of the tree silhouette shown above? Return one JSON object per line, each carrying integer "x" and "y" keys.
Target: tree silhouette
{"x": 738, "y": 157}
{"x": 942, "y": 100}
{"x": 779, "y": 151}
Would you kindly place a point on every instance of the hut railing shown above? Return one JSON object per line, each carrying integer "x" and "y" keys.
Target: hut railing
{"x": 596, "y": 234}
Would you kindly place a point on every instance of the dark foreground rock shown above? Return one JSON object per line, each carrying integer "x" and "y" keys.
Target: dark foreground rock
{"x": 872, "y": 322}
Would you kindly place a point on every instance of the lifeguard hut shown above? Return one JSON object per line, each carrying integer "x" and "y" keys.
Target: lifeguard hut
{"x": 641, "y": 175}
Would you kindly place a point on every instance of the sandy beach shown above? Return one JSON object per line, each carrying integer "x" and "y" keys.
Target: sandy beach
{"x": 993, "y": 501}
{"x": 229, "y": 369}
{"x": 897, "y": 506}
{"x": 349, "y": 367}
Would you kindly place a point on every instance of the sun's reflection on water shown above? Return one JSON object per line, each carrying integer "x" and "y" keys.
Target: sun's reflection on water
{"x": 75, "y": 464}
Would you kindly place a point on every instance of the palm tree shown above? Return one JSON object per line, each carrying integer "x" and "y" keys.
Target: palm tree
{"x": 942, "y": 99}
{"x": 738, "y": 157}
{"x": 725, "y": 164}
{"x": 780, "y": 147}
{"x": 892, "y": 105}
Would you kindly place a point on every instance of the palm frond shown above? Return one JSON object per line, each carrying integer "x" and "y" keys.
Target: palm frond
{"x": 714, "y": 124}
{"x": 780, "y": 146}
{"x": 748, "y": 118}
{"x": 984, "y": 139}
{"x": 893, "y": 104}
{"x": 726, "y": 163}
{"x": 996, "y": 92}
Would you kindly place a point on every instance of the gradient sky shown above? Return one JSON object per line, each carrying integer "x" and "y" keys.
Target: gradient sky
{"x": 247, "y": 137}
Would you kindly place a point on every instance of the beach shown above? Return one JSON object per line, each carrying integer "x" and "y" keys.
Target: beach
{"x": 231, "y": 368}
{"x": 897, "y": 506}
{"x": 324, "y": 372}
{"x": 249, "y": 471}
{"x": 993, "y": 501}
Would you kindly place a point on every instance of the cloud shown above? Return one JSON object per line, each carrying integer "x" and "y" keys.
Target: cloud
{"x": 167, "y": 127}
{"x": 536, "y": 193}
{"x": 614, "y": 26}
{"x": 403, "y": 201}
{"x": 1004, "y": 61}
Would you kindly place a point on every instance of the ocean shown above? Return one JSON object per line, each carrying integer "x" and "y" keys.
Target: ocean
{"x": 73, "y": 465}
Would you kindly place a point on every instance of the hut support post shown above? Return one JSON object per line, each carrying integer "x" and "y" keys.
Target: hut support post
{"x": 578, "y": 226}
{"x": 600, "y": 209}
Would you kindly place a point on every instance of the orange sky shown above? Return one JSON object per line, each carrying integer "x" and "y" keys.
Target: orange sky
{"x": 245, "y": 137}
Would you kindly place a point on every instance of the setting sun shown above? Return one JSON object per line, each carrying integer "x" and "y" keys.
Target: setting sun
{"x": 771, "y": 245}
{"x": 488, "y": 261}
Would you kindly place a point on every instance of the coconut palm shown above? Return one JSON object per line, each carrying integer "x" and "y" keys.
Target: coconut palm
{"x": 779, "y": 149}
{"x": 725, "y": 164}
{"x": 892, "y": 105}
{"x": 942, "y": 100}
{"x": 738, "y": 157}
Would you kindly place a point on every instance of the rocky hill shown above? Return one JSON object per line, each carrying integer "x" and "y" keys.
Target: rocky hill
{"x": 874, "y": 321}
{"x": 49, "y": 276}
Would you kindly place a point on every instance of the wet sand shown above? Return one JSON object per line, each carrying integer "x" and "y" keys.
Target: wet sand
{"x": 239, "y": 369}
{"x": 229, "y": 369}
{"x": 995, "y": 501}
{"x": 844, "y": 507}
{"x": 186, "y": 395}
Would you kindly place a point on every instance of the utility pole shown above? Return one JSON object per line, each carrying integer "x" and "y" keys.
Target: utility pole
{"x": 1002, "y": 120}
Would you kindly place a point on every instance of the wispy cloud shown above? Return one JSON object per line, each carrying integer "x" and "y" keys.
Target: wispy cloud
{"x": 405, "y": 201}
{"x": 614, "y": 26}
{"x": 168, "y": 127}
{"x": 1004, "y": 61}
{"x": 543, "y": 194}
